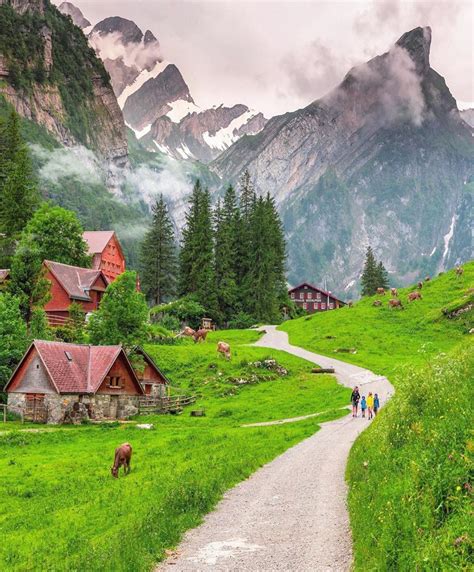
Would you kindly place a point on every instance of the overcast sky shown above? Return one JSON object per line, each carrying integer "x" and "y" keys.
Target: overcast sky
{"x": 277, "y": 56}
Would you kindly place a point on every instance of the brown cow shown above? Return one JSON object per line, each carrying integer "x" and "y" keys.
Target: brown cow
{"x": 459, "y": 270}
{"x": 394, "y": 303}
{"x": 123, "y": 456}
{"x": 200, "y": 335}
{"x": 414, "y": 296}
{"x": 381, "y": 291}
{"x": 224, "y": 349}
{"x": 427, "y": 278}
{"x": 394, "y": 292}
{"x": 350, "y": 304}
{"x": 377, "y": 303}
{"x": 420, "y": 285}
{"x": 188, "y": 332}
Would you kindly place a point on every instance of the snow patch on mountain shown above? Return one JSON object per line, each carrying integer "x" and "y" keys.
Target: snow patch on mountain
{"x": 144, "y": 76}
{"x": 224, "y": 138}
{"x": 180, "y": 109}
{"x": 447, "y": 239}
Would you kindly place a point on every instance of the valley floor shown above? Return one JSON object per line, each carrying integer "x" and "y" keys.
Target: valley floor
{"x": 292, "y": 513}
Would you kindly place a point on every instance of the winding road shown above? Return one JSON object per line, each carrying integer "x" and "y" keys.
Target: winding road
{"x": 291, "y": 514}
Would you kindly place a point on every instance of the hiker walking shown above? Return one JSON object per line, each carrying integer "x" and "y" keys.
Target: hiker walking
{"x": 376, "y": 404}
{"x": 370, "y": 405}
{"x": 355, "y": 397}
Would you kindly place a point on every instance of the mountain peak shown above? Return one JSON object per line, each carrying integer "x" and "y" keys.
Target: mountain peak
{"x": 417, "y": 43}
{"x": 68, "y": 9}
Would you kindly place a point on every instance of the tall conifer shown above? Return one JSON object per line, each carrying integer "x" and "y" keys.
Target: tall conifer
{"x": 158, "y": 256}
{"x": 369, "y": 279}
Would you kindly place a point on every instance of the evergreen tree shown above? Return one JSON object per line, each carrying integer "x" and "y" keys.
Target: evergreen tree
{"x": 122, "y": 315}
{"x": 244, "y": 237}
{"x": 27, "y": 278}
{"x": 382, "y": 276}
{"x": 58, "y": 234}
{"x": 370, "y": 277}
{"x": 225, "y": 221}
{"x": 13, "y": 336}
{"x": 18, "y": 193}
{"x": 197, "y": 275}
{"x": 158, "y": 257}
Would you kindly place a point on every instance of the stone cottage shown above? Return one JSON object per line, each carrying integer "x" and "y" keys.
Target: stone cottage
{"x": 57, "y": 382}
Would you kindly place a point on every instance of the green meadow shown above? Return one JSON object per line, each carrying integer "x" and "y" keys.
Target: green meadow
{"x": 410, "y": 472}
{"x": 62, "y": 510}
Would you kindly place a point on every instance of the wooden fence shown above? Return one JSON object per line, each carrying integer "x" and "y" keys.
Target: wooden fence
{"x": 175, "y": 404}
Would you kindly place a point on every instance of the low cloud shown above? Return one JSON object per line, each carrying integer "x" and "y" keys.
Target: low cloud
{"x": 77, "y": 162}
{"x": 138, "y": 55}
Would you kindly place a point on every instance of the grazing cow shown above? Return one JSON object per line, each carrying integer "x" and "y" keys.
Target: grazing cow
{"x": 394, "y": 303}
{"x": 394, "y": 292}
{"x": 200, "y": 335}
{"x": 350, "y": 304}
{"x": 381, "y": 291}
{"x": 420, "y": 285}
{"x": 427, "y": 278}
{"x": 123, "y": 456}
{"x": 377, "y": 303}
{"x": 459, "y": 270}
{"x": 224, "y": 349}
{"x": 414, "y": 296}
{"x": 188, "y": 332}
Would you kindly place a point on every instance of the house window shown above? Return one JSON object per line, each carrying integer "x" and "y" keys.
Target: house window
{"x": 315, "y": 306}
{"x": 323, "y": 306}
{"x": 318, "y": 296}
{"x": 305, "y": 306}
{"x": 114, "y": 381}
{"x": 310, "y": 295}
{"x": 331, "y": 306}
{"x": 301, "y": 295}
{"x": 292, "y": 295}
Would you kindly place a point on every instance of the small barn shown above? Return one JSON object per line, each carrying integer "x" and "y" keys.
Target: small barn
{"x": 56, "y": 382}
{"x": 152, "y": 379}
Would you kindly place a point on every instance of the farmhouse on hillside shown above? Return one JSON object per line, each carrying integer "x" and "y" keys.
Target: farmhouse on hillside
{"x": 72, "y": 284}
{"x": 314, "y": 299}
{"x": 106, "y": 252}
{"x": 57, "y": 382}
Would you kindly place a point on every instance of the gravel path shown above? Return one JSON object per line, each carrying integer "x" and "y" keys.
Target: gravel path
{"x": 291, "y": 514}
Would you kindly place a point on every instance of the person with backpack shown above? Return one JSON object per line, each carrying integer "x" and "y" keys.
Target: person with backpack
{"x": 355, "y": 398}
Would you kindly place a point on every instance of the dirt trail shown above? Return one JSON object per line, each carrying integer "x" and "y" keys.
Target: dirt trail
{"x": 291, "y": 514}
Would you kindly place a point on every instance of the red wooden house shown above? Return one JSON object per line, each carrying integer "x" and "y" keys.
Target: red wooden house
{"x": 107, "y": 254}
{"x": 72, "y": 284}
{"x": 152, "y": 379}
{"x": 56, "y": 381}
{"x": 314, "y": 299}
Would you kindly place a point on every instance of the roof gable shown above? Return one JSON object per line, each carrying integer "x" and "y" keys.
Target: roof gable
{"x": 151, "y": 363}
{"x": 97, "y": 240}
{"x": 75, "y": 280}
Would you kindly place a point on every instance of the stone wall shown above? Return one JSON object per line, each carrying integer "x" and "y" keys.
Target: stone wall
{"x": 72, "y": 408}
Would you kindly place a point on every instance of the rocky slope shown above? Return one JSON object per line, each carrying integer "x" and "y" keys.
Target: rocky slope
{"x": 383, "y": 159}
{"x": 51, "y": 76}
{"x": 77, "y": 16}
{"x": 156, "y": 100}
{"x": 468, "y": 116}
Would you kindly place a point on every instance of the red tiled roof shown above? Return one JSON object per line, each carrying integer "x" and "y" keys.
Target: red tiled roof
{"x": 80, "y": 370}
{"x": 75, "y": 280}
{"x": 313, "y": 287}
{"x": 97, "y": 239}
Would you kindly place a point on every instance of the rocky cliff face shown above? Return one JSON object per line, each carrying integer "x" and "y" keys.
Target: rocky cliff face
{"x": 77, "y": 16}
{"x": 383, "y": 159}
{"x": 468, "y": 116}
{"x": 52, "y": 77}
{"x": 156, "y": 100}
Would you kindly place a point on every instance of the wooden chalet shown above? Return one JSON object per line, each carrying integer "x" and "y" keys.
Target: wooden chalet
{"x": 72, "y": 284}
{"x": 313, "y": 299}
{"x": 56, "y": 382}
{"x": 106, "y": 252}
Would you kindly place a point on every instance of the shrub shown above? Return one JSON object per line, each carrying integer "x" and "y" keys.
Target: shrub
{"x": 241, "y": 321}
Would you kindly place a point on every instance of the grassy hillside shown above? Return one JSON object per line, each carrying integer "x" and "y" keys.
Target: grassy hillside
{"x": 57, "y": 484}
{"x": 410, "y": 473}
